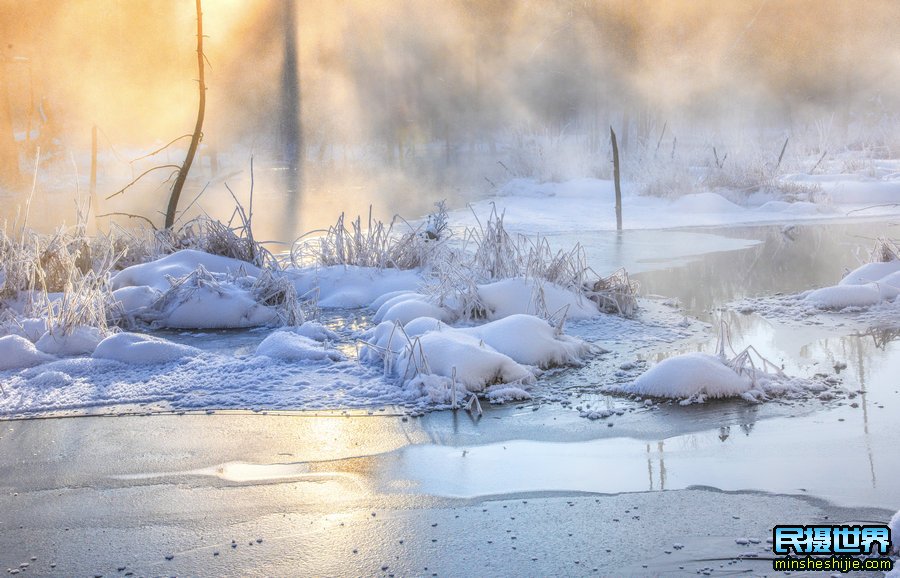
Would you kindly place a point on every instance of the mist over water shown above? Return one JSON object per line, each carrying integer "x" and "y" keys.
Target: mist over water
{"x": 401, "y": 103}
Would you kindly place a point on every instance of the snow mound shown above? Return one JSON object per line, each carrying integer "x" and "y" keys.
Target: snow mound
{"x": 315, "y": 331}
{"x": 690, "y": 375}
{"x": 531, "y": 341}
{"x": 387, "y": 339}
{"x": 521, "y": 295}
{"x": 136, "y": 298}
{"x": 352, "y": 287}
{"x": 82, "y": 340}
{"x": 454, "y": 353}
{"x": 871, "y": 272}
{"x": 405, "y": 308}
{"x": 16, "y": 352}
{"x": 289, "y": 346}
{"x": 137, "y": 348}
{"x": 506, "y": 393}
{"x": 868, "y": 285}
{"x": 206, "y": 300}
{"x": 843, "y": 296}
{"x": 31, "y": 328}
{"x": 705, "y": 203}
{"x": 507, "y": 351}
{"x": 155, "y": 274}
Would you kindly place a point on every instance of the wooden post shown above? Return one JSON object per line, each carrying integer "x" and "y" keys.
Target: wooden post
{"x": 616, "y": 178}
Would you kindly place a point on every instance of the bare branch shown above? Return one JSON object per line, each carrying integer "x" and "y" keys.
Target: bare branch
{"x": 142, "y": 175}
{"x": 160, "y": 149}
{"x": 130, "y": 216}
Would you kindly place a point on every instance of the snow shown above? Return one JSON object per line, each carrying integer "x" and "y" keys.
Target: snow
{"x": 871, "y": 272}
{"x": 205, "y": 302}
{"x": 16, "y": 352}
{"x": 136, "y": 298}
{"x": 894, "y": 525}
{"x": 865, "y": 286}
{"x": 405, "y": 308}
{"x": 689, "y": 375}
{"x": 520, "y": 295}
{"x": 531, "y": 341}
{"x": 81, "y": 340}
{"x": 589, "y": 205}
{"x": 155, "y": 274}
{"x": 138, "y": 348}
{"x": 843, "y": 296}
{"x": 706, "y": 203}
{"x": 505, "y": 351}
{"x": 350, "y": 287}
{"x": 192, "y": 290}
{"x": 31, "y": 328}
{"x": 315, "y": 331}
{"x": 289, "y": 346}
{"x": 474, "y": 364}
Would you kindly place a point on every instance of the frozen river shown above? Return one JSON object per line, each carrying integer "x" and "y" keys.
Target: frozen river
{"x": 527, "y": 489}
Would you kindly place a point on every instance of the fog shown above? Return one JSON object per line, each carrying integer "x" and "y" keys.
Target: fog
{"x": 404, "y": 102}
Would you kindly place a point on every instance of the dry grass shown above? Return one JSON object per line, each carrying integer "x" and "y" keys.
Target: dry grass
{"x": 884, "y": 251}
{"x": 374, "y": 245}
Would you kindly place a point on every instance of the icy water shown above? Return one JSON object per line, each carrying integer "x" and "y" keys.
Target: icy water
{"x": 842, "y": 450}
{"x": 527, "y": 489}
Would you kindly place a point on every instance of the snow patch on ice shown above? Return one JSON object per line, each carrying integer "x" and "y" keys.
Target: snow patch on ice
{"x": 290, "y": 346}
{"x": 520, "y": 295}
{"x": 138, "y": 348}
{"x": 350, "y": 287}
{"x": 688, "y": 375}
{"x": 16, "y": 352}
{"x": 81, "y": 340}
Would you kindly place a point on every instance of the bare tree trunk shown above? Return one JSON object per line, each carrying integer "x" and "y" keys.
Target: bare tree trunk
{"x": 9, "y": 154}
{"x": 198, "y": 128}
{"x": 290, "y": 133}
{"x": 615, "y": 150}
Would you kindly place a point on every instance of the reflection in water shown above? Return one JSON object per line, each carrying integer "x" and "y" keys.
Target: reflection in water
{"x": 814, "y": 256}
{"x": 882, "y": 336}
{"x": 660, "y": 482}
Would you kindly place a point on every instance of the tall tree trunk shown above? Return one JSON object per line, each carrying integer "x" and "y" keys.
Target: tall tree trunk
{"x": 9, "y": 154}
{"x": 198, "y": 128}
{"x": 290, "y": 133}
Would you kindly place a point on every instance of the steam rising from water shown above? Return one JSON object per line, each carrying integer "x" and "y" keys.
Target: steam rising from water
{"x": 406, "y": 101}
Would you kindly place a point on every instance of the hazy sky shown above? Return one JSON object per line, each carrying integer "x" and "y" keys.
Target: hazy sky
{"x": 423, "y": 68}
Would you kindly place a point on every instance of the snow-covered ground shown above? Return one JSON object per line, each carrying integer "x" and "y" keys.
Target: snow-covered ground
{"x": 412, "y": 338}
{"x": 589, "y": 204}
